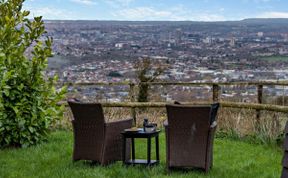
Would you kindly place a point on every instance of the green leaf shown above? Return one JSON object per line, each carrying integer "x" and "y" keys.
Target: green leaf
{"x": 26, "y": 13}
{"x": 27, "y": 98}
{"x": 6, "y": 92}
{"x": 31, "y": 129}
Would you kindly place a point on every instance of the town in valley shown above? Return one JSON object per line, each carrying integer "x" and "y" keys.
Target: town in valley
{"x": 106, "y": 51}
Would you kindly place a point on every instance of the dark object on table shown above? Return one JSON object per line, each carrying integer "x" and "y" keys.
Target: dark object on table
{"x": 141, "y": 134}
{"x": 285, "y": 157}
{"x": 190, "y": 135}
{"x": 94, "y": 139}
{"x": 145, "y": 122}
{"x": 150, "y": 127}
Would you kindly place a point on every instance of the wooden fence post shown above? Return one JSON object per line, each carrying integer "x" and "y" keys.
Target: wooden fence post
{"x": 132, "y": 99}
{"x": 259, "y": 100}
{"x": 216, "y": 89}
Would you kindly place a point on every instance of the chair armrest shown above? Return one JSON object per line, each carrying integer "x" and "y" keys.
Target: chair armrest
{"x": 119, "y": 125}
{"x": 113, "y": 140}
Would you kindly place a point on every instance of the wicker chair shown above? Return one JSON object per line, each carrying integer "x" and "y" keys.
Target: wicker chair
{"x": 93, "y": 138}
{"x": 189, "y": 136}
{"x": 285, "y": 157}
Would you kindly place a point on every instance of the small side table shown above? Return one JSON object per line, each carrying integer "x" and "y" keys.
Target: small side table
{"x": 141, "y": 134}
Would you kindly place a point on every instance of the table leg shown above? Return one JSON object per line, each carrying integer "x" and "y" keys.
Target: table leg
{"x": 124, "y": 149}
{"x": 133, "y": 149}
{"x": 157, "y": 148}
{"x": 148, "y": 151}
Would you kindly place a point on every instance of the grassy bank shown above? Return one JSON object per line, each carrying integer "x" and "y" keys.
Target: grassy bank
{"x": 275, "y": 58}
{"x": 53, "y": 159}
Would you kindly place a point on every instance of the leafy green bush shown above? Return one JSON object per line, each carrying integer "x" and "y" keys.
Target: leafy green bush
{"x": 28, "y": 99}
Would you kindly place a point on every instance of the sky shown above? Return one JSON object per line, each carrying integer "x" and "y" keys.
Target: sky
{"x": 146, "y": 10}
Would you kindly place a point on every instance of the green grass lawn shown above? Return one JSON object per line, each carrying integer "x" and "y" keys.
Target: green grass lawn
{"x": 275, "y": 58}
{"x": 53, "y": 159}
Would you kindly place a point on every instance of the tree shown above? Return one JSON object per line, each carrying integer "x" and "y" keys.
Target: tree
{"x": 147, "y": 72}
{"x": 28, "y": 99}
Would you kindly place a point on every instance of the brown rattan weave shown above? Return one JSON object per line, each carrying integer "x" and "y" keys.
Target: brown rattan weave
{"x": 189, "y": 135}
{"x": 285, "y": 157}
{"x": 94, "y": 139}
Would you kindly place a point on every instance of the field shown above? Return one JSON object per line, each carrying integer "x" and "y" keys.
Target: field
{"x": 276, "y": 58}
{"x": 232, "y": 159}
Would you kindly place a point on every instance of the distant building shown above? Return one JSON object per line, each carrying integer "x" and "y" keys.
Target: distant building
{"x": 207, "y": 40}
{"x": 232, "y": 41}
{"x": 260, "y": 34}
{"x": 120, "y": 45}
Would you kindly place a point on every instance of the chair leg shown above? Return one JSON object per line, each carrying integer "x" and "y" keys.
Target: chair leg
{"x": 168, "y": 169}
{"x": 95, "y": 163}
{"x": 75, "y": 160}
{"x": 207, "y": 167}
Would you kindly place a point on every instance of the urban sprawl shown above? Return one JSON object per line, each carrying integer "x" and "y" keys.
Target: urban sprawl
{"x": 106, "y": 51}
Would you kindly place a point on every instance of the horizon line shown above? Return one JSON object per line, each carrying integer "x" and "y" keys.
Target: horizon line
{"x": 165, "y": 20}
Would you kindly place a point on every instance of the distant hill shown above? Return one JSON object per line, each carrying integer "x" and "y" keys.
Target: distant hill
{"x": 250, "y": 21}
{"x": 266, "y": 20}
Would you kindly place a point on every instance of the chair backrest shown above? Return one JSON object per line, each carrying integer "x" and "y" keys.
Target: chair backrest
{"x": 88, "y": 126}
{"x": 285, "y": 156}
{"x": 87, "y": 111}
{"x": 188, "y": 134}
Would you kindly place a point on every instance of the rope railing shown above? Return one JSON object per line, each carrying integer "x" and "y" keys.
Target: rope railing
{"x": 264, "y": 83}
{"x": 216, "y": 86}
{"x": 255, "y": 106}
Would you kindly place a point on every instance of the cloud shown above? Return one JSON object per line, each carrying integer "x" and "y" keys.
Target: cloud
{"x": 118, "y": 3}
{"x": 178, "y": 13}
{"x": 273, "y": 14}
{"x": 85, "y": 2}
{"x": 142, "y": 13}
{"x": 259, "y": 1}
{"x": 50, "y": 13}
{"x": 124, "y": 1}
{"x": 256, "y": 1}
{"x": 209, "y": 17}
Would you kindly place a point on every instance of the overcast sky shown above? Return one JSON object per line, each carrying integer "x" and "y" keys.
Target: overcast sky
{"x": 195, "y": 10}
